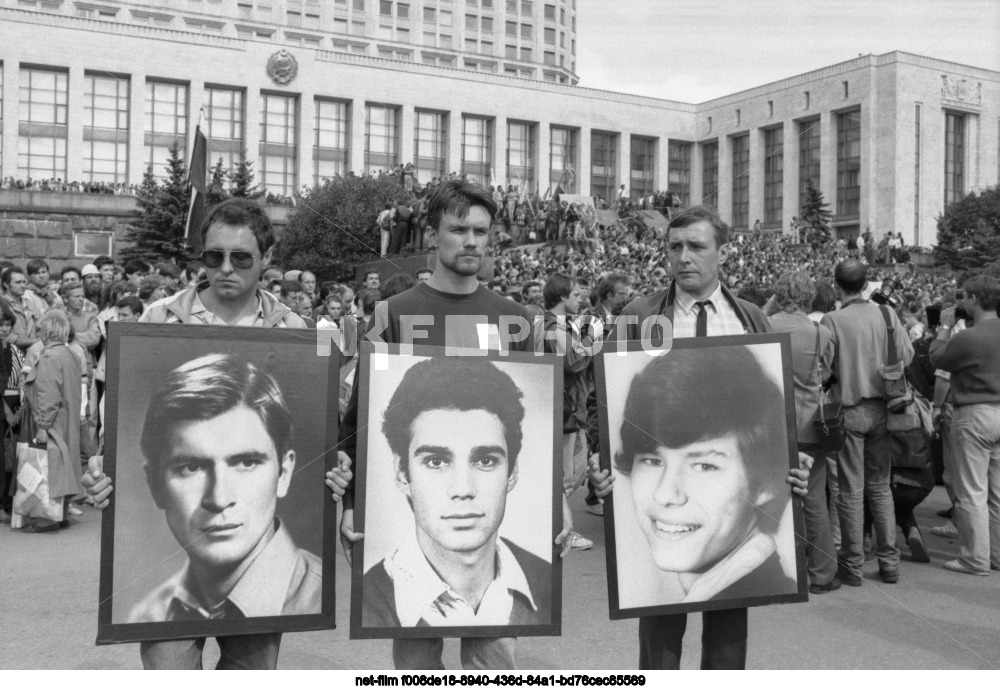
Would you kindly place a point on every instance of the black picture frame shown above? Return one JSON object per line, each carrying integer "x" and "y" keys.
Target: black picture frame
{"x": 138, "y": 356}
{"x": 626, "y": 599}
{"x": 543, "y": 416}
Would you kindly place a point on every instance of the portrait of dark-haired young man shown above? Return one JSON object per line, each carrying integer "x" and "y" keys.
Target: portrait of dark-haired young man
{"x": 219, "y": 493}
{"x": 701, "y": 513}
{"x": 457, "y": 453}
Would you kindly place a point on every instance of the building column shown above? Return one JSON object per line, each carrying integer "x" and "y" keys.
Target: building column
{"x": 695, "y": 175}
{"x": 407, "y": 124}
{"x": 828, "y": 159}
{"x": 499, "y": 153}
{"x": 755, "y": 185}
{"x": 868, "y": 203}
{"x": 726, "y": 179}
{"x": 454, "y": 142}
{"x": 9, "y": 117}
{"x": 137, "y": 127}
{"x": 196, "y": 101}
{"x": 305, "y": 134}
{"x": 356, "y": 136}
{"x": 544, "y": 153}
{"x": 661, "y": 163}
{"x": 584, "y": 160}
{"x": 74, "y": 119}
{"x": 790, "y": 179}
{"x": 251, "y": 126}
{"x": 624, "y": 163}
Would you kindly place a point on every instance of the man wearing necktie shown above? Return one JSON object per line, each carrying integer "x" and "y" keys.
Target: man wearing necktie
{"x": 696, "y": 305}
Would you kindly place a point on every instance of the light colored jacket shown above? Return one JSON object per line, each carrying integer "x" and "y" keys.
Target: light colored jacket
{"x": 180, "y": 308}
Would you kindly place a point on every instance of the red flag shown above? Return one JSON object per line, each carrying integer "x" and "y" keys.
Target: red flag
{"x": 197, "y": 188}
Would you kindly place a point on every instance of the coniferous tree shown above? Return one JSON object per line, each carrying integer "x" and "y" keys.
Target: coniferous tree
{"x": 968, "y": 233}
{"x": 816, "y": 214}
{"x": 157, "y": 234}
{"x": 216, "y": 192}
{"x": 241, "y": 180}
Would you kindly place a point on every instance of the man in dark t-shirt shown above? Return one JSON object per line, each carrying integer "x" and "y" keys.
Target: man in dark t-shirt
{"x": 451, "y": 310}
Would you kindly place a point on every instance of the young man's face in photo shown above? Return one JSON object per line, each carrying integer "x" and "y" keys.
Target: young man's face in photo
{"x": 220, "y": 489}
{"x": 694, "y": 503}
{"x": 107, "y": 273}
{"x": 458, "y": 482}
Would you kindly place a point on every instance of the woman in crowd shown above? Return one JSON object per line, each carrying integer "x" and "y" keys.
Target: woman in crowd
{"x": 52, "y": 394}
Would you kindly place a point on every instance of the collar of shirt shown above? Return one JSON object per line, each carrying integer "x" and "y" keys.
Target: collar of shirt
{"x": 260, "y": 592}
{"x": 740, "y": 562}
{"x": 201, "y": 312}
{"x": 421, "y": 595}
{"x": 686, "y": 302}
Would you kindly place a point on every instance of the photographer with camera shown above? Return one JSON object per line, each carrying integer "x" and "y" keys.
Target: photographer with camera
{"x": 973, "y": 359}
{"x": 861, "y": 338}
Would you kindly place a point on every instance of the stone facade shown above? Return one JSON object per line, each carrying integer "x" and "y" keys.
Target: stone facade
{"x": 884, "y": 90}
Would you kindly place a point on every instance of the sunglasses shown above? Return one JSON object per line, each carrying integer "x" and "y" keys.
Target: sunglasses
{"x": 213, "y": 258}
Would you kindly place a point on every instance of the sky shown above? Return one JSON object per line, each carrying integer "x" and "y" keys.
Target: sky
{"x": 696, "y": 50}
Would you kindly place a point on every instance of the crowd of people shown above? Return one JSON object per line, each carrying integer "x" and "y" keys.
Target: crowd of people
{"x": 941, "y": 327}
{"x": 54, "y": 184}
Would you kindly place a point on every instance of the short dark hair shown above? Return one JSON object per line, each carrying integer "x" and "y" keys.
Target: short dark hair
{"x": 207, "y": 387}
{"x": 401, "y": 282}
{"x": 696, "y": 214}
{"x": 137, "y": 266}
{"x": 70, "y": 269}
{"x": 693, "y": 394}
{"x": 557, "y": 288}
{"x": 7, "y": 316}
{"x": 430, "y": 385}
{"x": 168, "y": 270}
{"x": 133, "y": 304}
{"x": 368, "y": 273}
{"x": 5, "y": 277}
{"x": 368, "y": 299}
{"x": 986, "y": 289}
{"x": 64, "y": 290}
{"x": 36, "y": 265}
{"x": 103, "y": 260}
{"x": 242, "y": 211}
{"x": 755, "y": 294}
{"x": 826, "y": 297}
{"x": 527, "y": 286}
{"x": 289, "y": 287}
{"x": 457, "y": 197}
{"x": 851, "y": 275}
{"x": 607, "y": 285}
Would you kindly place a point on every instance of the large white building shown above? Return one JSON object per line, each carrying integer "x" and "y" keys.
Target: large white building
{"x": 98, "y": 89}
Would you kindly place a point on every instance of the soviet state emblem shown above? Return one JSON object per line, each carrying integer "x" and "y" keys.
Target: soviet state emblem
{"x": 282, "y": 67}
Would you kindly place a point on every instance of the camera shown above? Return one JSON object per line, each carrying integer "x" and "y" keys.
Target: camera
{"x": 884, "y": 295}
{"x": 960, "y": 313}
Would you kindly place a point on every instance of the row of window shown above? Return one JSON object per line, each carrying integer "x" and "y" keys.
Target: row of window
{"x": 42, "y": 144}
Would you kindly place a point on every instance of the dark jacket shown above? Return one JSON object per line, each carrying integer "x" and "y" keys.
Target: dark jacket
{"x": 662, "y": 302}
{"x": 379, "y": 594}
{"x": 577, "y": 370}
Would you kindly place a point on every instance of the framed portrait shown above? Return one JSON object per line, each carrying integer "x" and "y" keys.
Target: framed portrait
{"x": 217, "y": 440}
{"x": 699, "y": 438}
{"x": 458, "y": 495}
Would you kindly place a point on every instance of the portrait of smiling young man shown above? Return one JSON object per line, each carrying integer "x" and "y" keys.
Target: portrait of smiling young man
{"x": 705, "y": 478}
{"x": 219, "y": 493}
{"x": 453, "y": 569}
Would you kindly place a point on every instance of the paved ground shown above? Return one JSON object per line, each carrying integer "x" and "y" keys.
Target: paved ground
{"x": 931, "y": 619}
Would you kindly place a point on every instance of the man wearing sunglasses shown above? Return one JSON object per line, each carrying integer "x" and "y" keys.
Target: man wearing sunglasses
{"x": 238, "y": 240}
